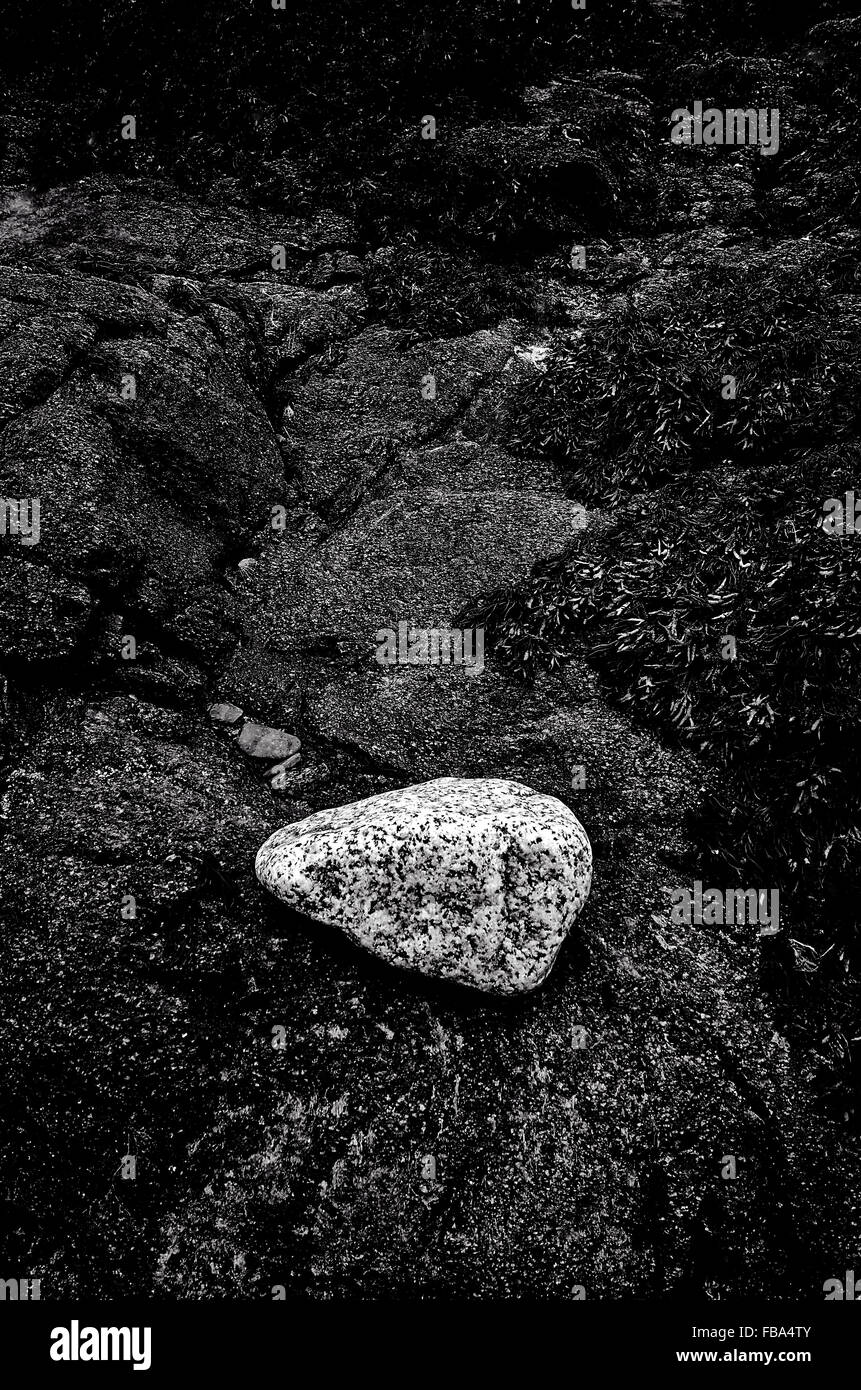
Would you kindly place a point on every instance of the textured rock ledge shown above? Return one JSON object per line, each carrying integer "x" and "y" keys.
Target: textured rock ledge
{"x": 477, "y": 881}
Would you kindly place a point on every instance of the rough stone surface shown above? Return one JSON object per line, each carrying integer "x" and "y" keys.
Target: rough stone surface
{"x": 476, "y": 881}
{"x": 340, "y": 414}
{"x": 558, "y": 1164}
{"x": 416, "y": 555}
{"x": 140, "y": 496}
{"x": 272, "y": 745}
{"x": 225, "y": 714}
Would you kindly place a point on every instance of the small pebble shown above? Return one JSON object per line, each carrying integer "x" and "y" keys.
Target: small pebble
{"x": 225, "y": 714}
{"x": 258, "y": 741}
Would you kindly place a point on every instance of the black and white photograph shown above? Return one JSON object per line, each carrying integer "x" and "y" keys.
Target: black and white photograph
{"x": 430, "y": 669}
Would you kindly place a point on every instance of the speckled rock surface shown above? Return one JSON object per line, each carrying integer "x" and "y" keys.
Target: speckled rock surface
{"x": 472, "y": 880}
{"x": 576, "y": 1131}
{"x": 260, "y": 742}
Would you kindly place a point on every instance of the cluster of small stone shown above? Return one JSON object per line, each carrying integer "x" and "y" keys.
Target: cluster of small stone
{"x": 274, "y": 749}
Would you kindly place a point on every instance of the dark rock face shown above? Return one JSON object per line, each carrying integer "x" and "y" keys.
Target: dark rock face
{"x": 152, "y": 455}
{"x": 156, "y": 1002}
{"x": 380, "y": 396}
{"x": 578, "y": 153}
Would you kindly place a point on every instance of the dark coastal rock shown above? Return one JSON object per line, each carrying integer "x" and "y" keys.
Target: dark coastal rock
{"x": 101, "y": 225}
{"x": 415, "y": 555}
{"x": 141, "y": 493}
{"x": 384, "y": 386}
{"x": 43, "y": 616}
{"x": 577, "y": 1132}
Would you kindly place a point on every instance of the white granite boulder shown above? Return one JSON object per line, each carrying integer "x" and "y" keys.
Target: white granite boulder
{"x": 472, "y": 880}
